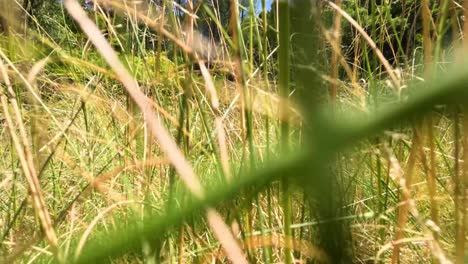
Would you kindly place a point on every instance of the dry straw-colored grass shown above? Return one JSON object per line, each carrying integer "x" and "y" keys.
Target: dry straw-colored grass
{"x": 106, "y": 163}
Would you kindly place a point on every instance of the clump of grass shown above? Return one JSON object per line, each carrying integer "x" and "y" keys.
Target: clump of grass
{"x": 125, "y": 141}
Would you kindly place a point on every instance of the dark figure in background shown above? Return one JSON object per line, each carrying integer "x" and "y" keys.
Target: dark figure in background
{"x": 5, "y": 16}
{"x": 8, "y": 11}
{"x": 3, "y": 25}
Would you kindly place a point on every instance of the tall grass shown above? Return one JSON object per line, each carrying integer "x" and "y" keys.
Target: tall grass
{"x": 132, "y": 136}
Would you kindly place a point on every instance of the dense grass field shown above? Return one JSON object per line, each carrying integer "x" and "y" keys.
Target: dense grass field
{"x": 233, "y": 131}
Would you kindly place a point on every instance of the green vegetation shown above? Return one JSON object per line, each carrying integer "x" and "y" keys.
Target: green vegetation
{"x": 233, "y": 131}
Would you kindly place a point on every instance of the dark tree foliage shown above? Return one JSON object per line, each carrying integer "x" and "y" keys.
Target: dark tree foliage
{"x": 222, "y": 10}
{"x": 398, "y": 22}
{"x": 32, "y": 5}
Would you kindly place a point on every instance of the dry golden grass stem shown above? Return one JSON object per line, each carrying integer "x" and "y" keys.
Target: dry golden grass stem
{"x": 431, "y": 175}
{"x": 199, "y": 244}
{"x": 428, "y": 122}
{"x": 356, "y": 59}
{"x": 23, "y": 149}
{"x": 336, "y": 54}
{"x": 210, "y": 87}
{"x": 159, "y": 132}
{"x": 238, "y": 67}
{"x": 463, "y": 232}
{"x": 333, "y": 79}
{"x": 428, "y": 69}
{"x": 429, "y": 227}
{"x": 388, "y": 68}
{"x": 427, "y": 39}
{"x": 95, "y": 221}
{"x": 465, "y": 26}
{"x": 218, "y": 120}
{"x": 461, "y": 202}
{"x": 305, "y": 248}
{"x": 403, "y": 210}
{"x": 224, "y": 235}
{"x": 181, "y": 244}
{"x": 39, "y": 123}
{"x": 399, "y": 242}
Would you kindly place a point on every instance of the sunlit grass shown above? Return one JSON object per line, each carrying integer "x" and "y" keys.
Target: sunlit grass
{"x": 288, "y": 134}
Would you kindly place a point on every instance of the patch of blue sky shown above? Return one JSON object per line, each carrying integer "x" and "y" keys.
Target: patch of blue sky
{"x": 258, "y": 5}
